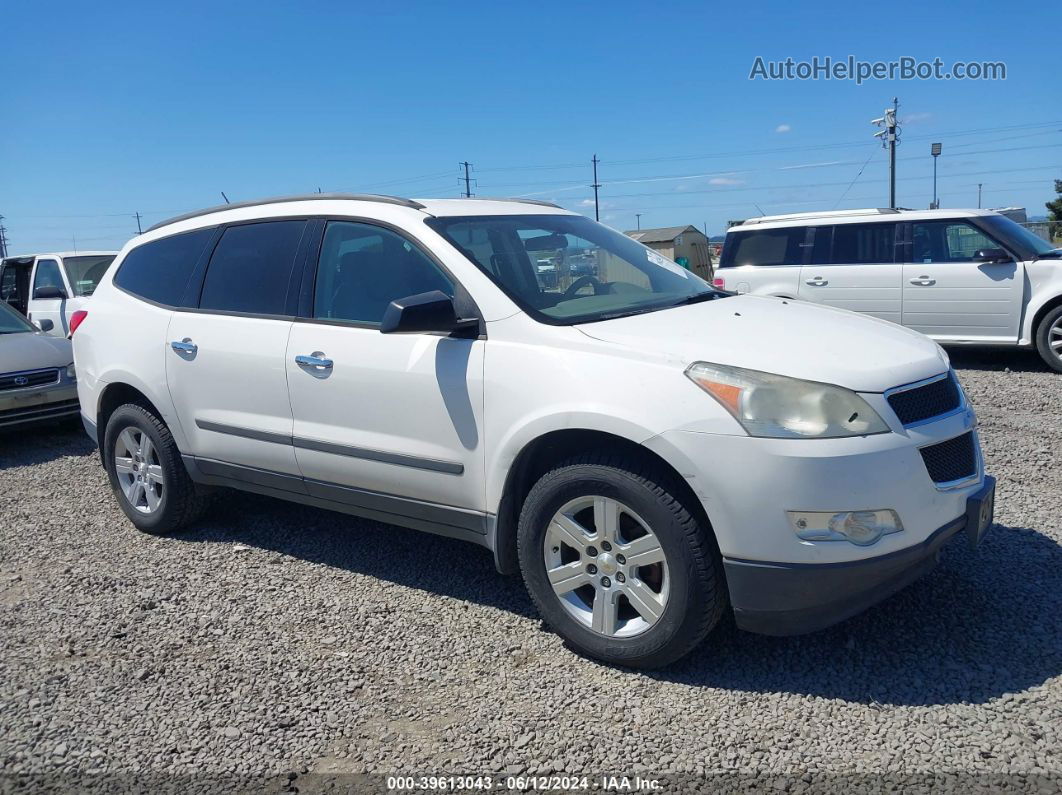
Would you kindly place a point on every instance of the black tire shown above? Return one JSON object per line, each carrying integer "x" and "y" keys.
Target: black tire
{"x": 1043, "y": 341}
{"x": 180, "y": 504}
{"x": 697, "y": 592}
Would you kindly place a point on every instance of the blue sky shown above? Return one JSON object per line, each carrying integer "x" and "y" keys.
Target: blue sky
{"x": 114, "y": 108}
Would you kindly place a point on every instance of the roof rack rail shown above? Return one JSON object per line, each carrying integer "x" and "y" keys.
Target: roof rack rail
{"x": 365, "y": 197}
{"x": 767, "y": 219}
{"x": 539, "y": 202}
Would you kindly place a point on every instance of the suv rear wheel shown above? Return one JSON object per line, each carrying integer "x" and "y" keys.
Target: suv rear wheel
{"x": 146, "y": 472}
{"x": 1049, "y": 338}
{"x": 616, "y": 564}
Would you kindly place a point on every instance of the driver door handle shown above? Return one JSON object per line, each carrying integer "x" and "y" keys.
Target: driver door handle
{"x": 923, "y": 281}
{"x": 818, "y": 281}
{"x": 184, "y": 346}
{"x": 317, "y": 360}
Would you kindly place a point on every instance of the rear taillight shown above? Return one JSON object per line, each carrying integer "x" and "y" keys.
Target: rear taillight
{"x": 720, "y": 283}
{"x": 76, "y": 320}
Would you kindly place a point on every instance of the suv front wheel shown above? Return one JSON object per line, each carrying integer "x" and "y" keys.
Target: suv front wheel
{"x": 1049, "y": 338}
{"x": 617, "y": 564}
{"x": 146, "y": 472}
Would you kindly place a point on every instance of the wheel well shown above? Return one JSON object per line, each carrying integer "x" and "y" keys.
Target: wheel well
{"x": 550, "y": 449}
{"x": 1041, "y": 312}
{"x": 116, "y": 395}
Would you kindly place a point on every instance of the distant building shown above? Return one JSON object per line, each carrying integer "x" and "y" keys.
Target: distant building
{"x": 686, "y": 245}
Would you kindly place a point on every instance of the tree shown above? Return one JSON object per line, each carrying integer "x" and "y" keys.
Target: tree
{"x": 1055, "y": 210}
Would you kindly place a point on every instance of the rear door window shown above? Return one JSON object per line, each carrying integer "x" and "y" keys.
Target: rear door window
{"x": 159, "y": 270}
{"x": 764, "y": 247}
{"x": 251, "y": 269}
{"x": 855, "y": 244}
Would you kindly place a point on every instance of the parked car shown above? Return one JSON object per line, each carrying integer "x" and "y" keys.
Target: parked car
{"x": 37, "y": 377}
{"x": 958, "y": 276}
{"x": 61, "y": 284}
{"x": 648, "y": 451}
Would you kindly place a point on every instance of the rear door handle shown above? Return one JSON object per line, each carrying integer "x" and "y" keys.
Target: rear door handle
{"x": 316, "y": 359}
{"x": 923, "y": 281}
{"x": 184, "y": 346}
{"x": 818, "y": 281}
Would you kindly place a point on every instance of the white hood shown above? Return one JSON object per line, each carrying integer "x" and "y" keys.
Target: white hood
{"x": 783, "y": 336}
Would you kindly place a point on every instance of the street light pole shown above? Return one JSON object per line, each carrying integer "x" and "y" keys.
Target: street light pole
{"x": 639, "y": 217}
{"x": 934, "y": 149}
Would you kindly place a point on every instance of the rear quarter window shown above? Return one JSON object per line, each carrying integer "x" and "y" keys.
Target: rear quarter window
{"x": 764, "y": 247}
{"x": 159, "y": 270}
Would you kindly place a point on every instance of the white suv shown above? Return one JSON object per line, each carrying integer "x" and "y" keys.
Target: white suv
{"x": 648, "y": 451}
{"x": 958, "y": 276}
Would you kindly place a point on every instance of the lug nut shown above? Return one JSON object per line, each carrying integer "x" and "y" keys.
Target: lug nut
{"x": 591, "y": 551}
{"x": 605, "y": 581}
{"x": 591, "y": 569}
{"x": 606, "y": 546}
{"x": 620, "y": 559}
{"x": 620, "y": 577}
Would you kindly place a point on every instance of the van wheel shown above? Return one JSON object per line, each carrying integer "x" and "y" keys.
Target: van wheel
{"x": 616, "y": 564}
{"x": 146, "y": 472}
{"x": 1049, "y": 339}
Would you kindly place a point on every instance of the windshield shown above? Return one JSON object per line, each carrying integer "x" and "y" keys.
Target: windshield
{"x": 567, "y": 269}
{"x": 11, "y": 322}
{"x": 1018, "y": 237}
{"x": 85, "y": 272}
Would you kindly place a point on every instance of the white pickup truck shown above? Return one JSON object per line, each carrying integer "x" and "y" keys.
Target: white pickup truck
{"x": 49, "y": 288}
{"x": 957, "y": 276}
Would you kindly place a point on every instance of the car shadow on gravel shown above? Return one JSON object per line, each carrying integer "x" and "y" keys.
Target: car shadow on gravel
{"x": 985, "y": 358}
{"x": 982, "y": 624}
{"x": 39, "y": 444}
{"x": 415, "y": 559}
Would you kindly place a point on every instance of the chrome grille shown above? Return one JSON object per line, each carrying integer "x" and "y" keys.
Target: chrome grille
{"x": 29, "y": 378}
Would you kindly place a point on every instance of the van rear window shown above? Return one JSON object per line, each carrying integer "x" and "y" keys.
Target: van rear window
{"x": 764, "y": 247}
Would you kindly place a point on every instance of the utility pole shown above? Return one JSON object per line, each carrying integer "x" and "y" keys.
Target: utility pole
{"x": 3, "y": 238}
{"x": 889, "y": 138}
{"x": 639, "y": 217}
{"x": 934, "y": 149}
{"x": 978, "y": 195}
{"x": 139, "y": 231}
{"x": 595, "y": 186}
{"x": 468, "y": 180}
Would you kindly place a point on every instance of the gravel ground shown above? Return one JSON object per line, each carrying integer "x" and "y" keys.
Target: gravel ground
{"x": 279, "y": 646}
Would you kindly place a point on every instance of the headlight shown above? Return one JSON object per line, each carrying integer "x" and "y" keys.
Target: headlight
{"x": 71, "y": 372}
{"x": 777, "y": 406}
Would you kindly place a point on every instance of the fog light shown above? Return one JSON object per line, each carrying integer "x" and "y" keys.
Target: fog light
{"x": 861, "y": 528}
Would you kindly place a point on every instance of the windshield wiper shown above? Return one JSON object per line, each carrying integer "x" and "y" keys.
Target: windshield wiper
{"x": 710, "y": 295}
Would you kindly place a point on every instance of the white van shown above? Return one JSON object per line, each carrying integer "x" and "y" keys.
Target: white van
{"x": 957, "y": 276}
{"x": 49, "y": 288}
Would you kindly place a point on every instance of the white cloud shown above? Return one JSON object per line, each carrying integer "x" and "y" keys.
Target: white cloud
{"x": 914, "y": 118}
{"x": 586, "y": 203}
{"x": 782, "y": 128}
{"x": 725, "y": 181}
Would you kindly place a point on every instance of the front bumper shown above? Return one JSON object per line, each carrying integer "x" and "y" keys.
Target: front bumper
{"x": 29, "y": 406}
{"x": 794, "y": 599}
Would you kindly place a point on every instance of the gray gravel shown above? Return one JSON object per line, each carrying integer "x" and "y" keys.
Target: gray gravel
{"x": 276, "y": 645}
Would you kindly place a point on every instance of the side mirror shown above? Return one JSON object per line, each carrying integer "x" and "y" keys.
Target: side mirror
{"x": 992, "y": 255}
{"x": 432, "y": 311}
{"x": 49, "y": 291}
{"x": 45, "y": 325}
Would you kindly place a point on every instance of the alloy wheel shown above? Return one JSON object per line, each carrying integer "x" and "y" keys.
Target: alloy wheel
{"x": 606, "y": 566}
{"x": 139, "y": 470}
